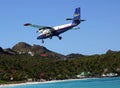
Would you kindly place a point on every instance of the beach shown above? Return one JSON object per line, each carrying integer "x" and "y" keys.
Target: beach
{"x": 30, "y": 83}
{"x": 106, "y": 82}
{"x": 109, "y": 82}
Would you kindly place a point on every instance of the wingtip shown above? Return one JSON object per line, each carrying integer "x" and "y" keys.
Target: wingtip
{"x": 27, "y": 24}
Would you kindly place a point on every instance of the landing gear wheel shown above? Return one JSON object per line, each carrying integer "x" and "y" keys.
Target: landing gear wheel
{"x": 60, "y": 37}
{"x": 42, "y": 41}
{"x": 50, "y": 37}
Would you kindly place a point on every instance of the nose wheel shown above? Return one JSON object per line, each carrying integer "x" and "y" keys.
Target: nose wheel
{"x": 50, "y": 37}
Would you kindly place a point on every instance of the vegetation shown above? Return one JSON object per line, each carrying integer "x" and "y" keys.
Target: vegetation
{"x": 24, "y": 67}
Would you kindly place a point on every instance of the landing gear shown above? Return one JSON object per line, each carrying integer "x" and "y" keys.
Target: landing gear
{"x": 59, "y": 37}
{"x": 50, "y": 37}
{"x": 42, "y": 41}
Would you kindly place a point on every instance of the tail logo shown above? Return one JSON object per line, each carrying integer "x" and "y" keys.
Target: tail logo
{"x": 76, "y": 15}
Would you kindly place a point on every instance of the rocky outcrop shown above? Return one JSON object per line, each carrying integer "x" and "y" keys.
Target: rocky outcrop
{"x": 24, "y": 48}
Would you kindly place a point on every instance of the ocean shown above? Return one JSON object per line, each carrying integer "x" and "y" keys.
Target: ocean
{"x": 113, "y": 82}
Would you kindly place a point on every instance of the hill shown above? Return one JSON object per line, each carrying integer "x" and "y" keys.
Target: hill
{"x": 24, "y": 48}
{"x": 74, "y": 56}
{"x": 1, "y": 51}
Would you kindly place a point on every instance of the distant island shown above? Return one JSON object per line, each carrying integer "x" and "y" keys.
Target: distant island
{"x": 23, "y": 63}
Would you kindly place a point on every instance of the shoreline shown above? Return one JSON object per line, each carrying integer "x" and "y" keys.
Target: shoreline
{"x": 45, "y": 82}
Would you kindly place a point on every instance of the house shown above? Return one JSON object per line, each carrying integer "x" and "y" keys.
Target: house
{"x": 30, "y": 53}
{"x": 43, "y": 55}
{"x": 109, "y": 75}
{"x": 83, "y": 74}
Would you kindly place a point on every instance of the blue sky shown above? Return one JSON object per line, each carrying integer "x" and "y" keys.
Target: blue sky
{"x": 99, "y": 33}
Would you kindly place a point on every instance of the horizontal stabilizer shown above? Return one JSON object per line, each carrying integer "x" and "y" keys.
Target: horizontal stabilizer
{"x": 69, "y": 19}
{"x": 82, "y": 20}
{"x": 27, "y": 24}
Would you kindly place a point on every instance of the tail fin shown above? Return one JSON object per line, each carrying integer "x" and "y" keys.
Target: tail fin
{"x": 76, "y": 18}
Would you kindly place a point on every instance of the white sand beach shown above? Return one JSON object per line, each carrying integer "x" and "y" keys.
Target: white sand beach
{"x": 30, "y": 83}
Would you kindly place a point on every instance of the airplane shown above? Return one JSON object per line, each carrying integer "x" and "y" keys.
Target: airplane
{"x": 49, "y": 32}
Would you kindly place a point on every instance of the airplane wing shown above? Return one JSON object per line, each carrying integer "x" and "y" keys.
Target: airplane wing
{"x": 37, "y": 26}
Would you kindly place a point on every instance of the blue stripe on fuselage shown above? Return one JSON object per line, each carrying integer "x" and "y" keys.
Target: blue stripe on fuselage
{"x": 64, "y": 29}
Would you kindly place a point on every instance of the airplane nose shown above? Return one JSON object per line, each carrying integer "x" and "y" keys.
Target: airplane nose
{"x": 38, "y": 37}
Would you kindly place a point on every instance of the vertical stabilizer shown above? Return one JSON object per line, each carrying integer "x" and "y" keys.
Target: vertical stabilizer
{"x": 76, "y": 17}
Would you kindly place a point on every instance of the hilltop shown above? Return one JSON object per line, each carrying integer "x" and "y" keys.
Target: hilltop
{"x": 24, "y": 48}
{"x": 32, "y": 50}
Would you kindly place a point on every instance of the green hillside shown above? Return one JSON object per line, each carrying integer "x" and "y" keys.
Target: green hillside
{"x": 24, "y": 67}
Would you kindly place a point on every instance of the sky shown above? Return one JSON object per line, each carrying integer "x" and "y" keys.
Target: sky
{"x": 99, "y": 33}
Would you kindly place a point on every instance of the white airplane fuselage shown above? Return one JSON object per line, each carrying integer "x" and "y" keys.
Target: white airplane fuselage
{"x": 57, "y": 31}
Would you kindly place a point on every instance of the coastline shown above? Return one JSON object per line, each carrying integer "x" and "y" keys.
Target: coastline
{"x": 45, "y": 82}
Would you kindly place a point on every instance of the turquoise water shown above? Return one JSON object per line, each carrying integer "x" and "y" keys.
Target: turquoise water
{"x": 86, "y": 83}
